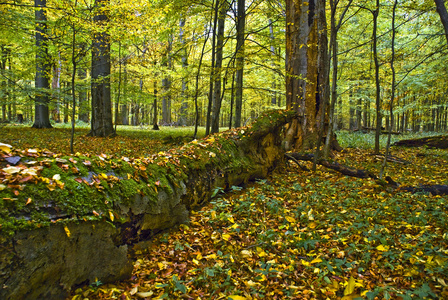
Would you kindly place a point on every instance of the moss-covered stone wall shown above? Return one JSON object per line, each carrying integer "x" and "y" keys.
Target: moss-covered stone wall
{"x": 68, "y": 221}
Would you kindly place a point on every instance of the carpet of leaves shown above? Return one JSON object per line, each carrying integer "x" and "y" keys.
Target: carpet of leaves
{"x": 304, "y": 235}
{"x": 130, "y": 141}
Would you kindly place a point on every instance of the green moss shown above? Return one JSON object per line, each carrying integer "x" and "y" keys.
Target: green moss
{"x": 83, "y": 198}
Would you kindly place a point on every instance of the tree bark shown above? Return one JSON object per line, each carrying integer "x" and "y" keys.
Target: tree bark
{"x": 379, "y": 116}
{"x": 306, "y": 70}
{"x": 441, "y": 10}
{"x": 184, "y": 97}
{"x": 42, "y": 83}
{"x": 240, "y": 38}
{"x": 101, "y": 124}
{"x": 218, "y": 68}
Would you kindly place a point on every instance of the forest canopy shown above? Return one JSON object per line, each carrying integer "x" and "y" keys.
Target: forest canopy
{"x": 214, "y": 63}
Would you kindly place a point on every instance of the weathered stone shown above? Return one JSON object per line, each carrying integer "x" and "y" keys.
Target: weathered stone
{"x": 47, "y": 262}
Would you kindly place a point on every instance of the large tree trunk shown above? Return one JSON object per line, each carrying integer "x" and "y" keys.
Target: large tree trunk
{"x": 101, "y": 124}
{"x": 240, "y": 32}
{"x": 441, "y": 9}
{"x": 42, "y": 83}
{"x": 306, "y": 70}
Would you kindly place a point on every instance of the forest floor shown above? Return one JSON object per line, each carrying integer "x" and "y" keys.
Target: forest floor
{"x": 297, "y": 235}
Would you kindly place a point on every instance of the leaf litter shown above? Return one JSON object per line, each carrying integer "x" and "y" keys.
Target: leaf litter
{"x": 304, "y": 235}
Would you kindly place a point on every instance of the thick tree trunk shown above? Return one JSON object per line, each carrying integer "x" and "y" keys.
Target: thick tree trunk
{"x": 240, "y": 38}
{"x": 306, "y": 70}
{"x": 101, "y": 124}
{"x": 441, "y": 9}
{"x": 42, "y": 83}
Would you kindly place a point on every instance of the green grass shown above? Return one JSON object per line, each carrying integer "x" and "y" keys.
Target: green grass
{"x": 361, "y": 140}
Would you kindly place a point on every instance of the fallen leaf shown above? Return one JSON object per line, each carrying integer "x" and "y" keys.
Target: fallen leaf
{"x": 350, "y": 288}
{"x": 67, "y": 231}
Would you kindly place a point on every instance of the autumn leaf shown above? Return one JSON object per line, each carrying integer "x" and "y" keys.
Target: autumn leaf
{"x": 236, "y": 297}
{"x": 350, "y": 288}
{"x": 67, "y": 231}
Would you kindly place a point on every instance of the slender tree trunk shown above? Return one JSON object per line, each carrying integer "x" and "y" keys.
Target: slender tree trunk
{"x": 212, "y": 72}
{"x": 83, "y": 113}
{"x": 101, "y": 123}
{"x": 377, "y": 78}
{"x": 117, "y": 102}
{"x": 273, "y": 65}
{"x": 392, "y": 96}
{"x": 196, "y": 93}
{"x": 240, "y": 39}
{"x": 217, "y": 99}
{"x": 74, "y": 66}
{"x": 166, "y": 85}
{"x": 155, "y": 125}
{"x": 184, "y": 97}
{"x": 42, "y": 83}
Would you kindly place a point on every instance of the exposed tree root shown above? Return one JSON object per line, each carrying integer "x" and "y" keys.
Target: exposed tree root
{"x": 334, "y": 166}
{"x": 388, "y": 183}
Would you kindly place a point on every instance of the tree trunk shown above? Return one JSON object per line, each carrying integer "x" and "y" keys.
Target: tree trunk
{"x": 273, "y": 65}
{"x": 83, "y": 113}
{"x": 306, "y": 70}
{"x": 217, "y": 99}
{"x": 377, "y": 78}
{"x": 441, "y": 10}
{"x": 184, "y": 97}
{"x": 166, "y": 84}
{"x": 101, "y": 124}
{"x": 42, "y": 83}
{"x": 240, "y": 38}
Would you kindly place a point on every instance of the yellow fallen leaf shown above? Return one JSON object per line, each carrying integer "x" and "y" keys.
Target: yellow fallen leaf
{"x": 2, "y": 187}
{"x": 210, "y": 140}
{"x": 312, "y": 225}
{"x": 56, "y": 177}
{"x": 111, "y": 215}
{"x": 28, "y": 201}
{"x": 5, "y": 148}
{"x": 382, "y": 248}
{"x": 316, "y": 260}
{"x": 211, "y": 256}
{"x": 102, "y": 176}
{"x": 67, "y": 231}
{"x": 350, "y": 288}
{"x": 290, "y": 219}
{"x": 236, "y": 297}
{"x": 226, "y": 236}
